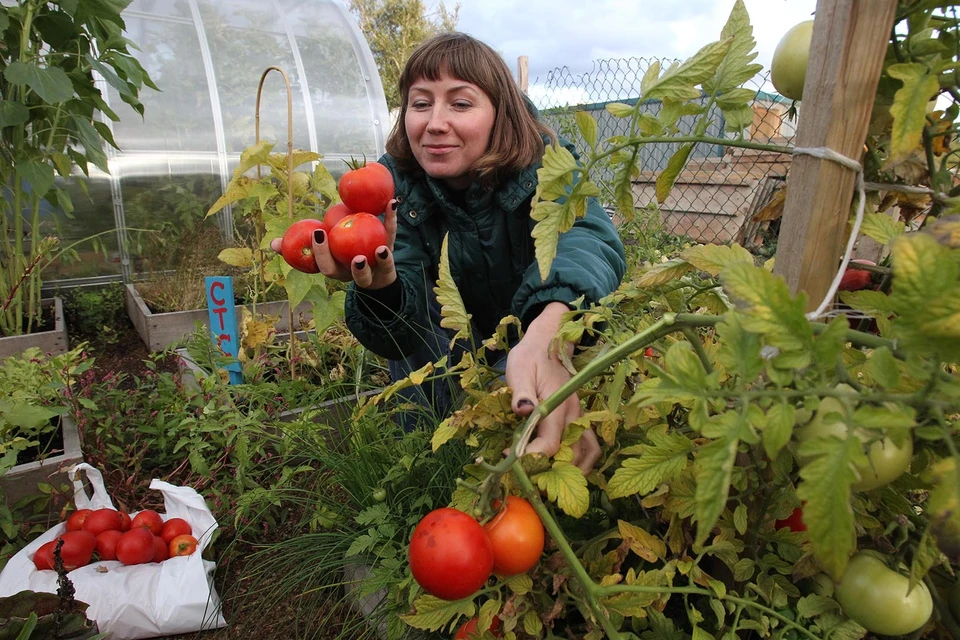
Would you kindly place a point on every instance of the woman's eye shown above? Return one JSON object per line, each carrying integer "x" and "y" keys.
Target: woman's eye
{"x": 461, "y": 105}
{"x": 419, "y": 104}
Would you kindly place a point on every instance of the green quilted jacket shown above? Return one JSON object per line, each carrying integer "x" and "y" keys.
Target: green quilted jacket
{"x": 491, "y": 259}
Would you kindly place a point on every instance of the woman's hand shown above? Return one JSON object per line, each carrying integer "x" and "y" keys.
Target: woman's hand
{"x": 534, "y": 372}
{"x": 367, "y": 276}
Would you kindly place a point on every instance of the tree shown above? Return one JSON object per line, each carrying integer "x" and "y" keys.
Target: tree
{"x": 394, "y": 28}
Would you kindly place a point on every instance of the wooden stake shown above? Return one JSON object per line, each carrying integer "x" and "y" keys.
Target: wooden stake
{"x": 523, "y": 73}
{"x": 846, "y": 55}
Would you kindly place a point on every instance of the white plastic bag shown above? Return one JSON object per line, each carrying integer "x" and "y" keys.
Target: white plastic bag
{"x": 139, "y": 601}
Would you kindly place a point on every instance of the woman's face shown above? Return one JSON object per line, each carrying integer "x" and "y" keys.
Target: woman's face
{"x": 448, "y": 123}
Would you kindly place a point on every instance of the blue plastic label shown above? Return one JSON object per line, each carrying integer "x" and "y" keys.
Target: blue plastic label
{"x": 223, "y": 321}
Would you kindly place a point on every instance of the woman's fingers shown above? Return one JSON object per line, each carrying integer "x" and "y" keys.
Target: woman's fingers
{"x": 586, "y": 451}
{"x": 376, "y": 275}
{"x": 390, "y": 223}
{"x": 276, "y": 243}
{"x": 324, "y": 259}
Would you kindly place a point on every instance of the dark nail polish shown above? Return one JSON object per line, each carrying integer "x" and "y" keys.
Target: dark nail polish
{"x": 383, "y": 254}
{"x": 524, "y": 403}
{"x": 319, "y": 236}
{"x": 360, "y": 264}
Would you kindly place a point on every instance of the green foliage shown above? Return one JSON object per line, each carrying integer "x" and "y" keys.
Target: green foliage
{"x": 50, "y": 128}
{"x": 29, "y": 614}
{"x": 95, "y": 315}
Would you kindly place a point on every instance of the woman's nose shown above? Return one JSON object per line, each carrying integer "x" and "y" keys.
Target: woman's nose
{"x": 438, "y": 121}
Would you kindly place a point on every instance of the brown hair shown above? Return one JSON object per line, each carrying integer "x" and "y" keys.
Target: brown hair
{"x": 517, "y": 137}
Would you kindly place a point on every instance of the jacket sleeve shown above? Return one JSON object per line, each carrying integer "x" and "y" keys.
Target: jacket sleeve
{"x": 393, "y": 333}
{"x": 590, "y": 262}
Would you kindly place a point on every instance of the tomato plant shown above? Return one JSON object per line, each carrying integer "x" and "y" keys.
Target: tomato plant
{"x": 516, "y": 535}
{"x": 107, "y": 544}
{"x": 470, "y": 629}
{"x": 76, "y": 519}
{"x": 335, "y": 214}
{"x": 296, "y": 246}
{"x": 175, "y": 527}
{"x": 150, "y": 520}
{"x": 788, "y": 69}
{"x": 367, "y": 189}
{"x": 136, "y": 546}
{"x": 358, "y": 234}
{"x": 794, "y": 521}
{"x": 450, "y": 554}
{"x": 102, "y": 520}
{"x": 183, "y": 545}
{"x": 876, "y": 596}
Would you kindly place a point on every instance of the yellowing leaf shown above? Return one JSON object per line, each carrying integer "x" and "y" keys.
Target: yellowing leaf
{"x": 882, "y": 227}
{"x": 565, "y": 485}
{"x": 773, "y": 210}
{"x": 251, "y": 157}
{"x": 909, "y": 108}
{"x": 238, "y": 189}
{"x": 664, "y": 272}
{"x": 553, "y": 219}
{"x": 654, "y": 464}
{"x": 620, "y": 110}
{"x": 943, "y": 507}
{"x": 735, "y": 68}
{"x": 588, "y": 127}
{"x": 642, "y": 543}
{"x": 713, "y": 258}
{"x": 444, "y": 432}
{"x": 555, "y": 176}
{"x": 680, "y": 81}
{"x": 668, "y": 176}
{"x": 237, "y": 257}
{"x": 767, "y": 306}
{"x": 453, "y": 313}
{"x": 433, "y": 613}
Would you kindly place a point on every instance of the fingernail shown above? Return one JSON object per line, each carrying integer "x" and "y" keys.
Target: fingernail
{"x": 383, "y": 254}
{"x": 319, "y": 236}
{"x": 524, "y": 403}
{"x": 360, "y": 264}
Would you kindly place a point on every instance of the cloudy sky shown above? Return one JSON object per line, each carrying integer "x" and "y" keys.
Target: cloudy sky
{"x": 575, "y": 33}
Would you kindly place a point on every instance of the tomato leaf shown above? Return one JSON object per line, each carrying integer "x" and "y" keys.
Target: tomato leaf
{"x": 642, "y": 543}
{"x": 909, "y": 108}
{"x": 735, "y": 68}
{"x": 432, "y": 613}
{"x": 714, "y": 258}
{"x": 241, "y": 257}
{"x": 238, "y": 189}
{"x": 778, "y": 428}
{"x": 521, "y": 584}
{"x": 882, "y": 368}
{"x": 664, "y": 272}
{"x": 620, "y": 110}
{"x": 553, "y": 218}
{"x": 943, "y": 507}
{"x": 655, "y": 464}
{"x": 565, "y": 485}
{"x": 926, "y": 556}
{"x": 739, "y": 350}
{"x": 452, "y": 310}
{"x": 767, "y": 307}
{"x": 679, "y": 81}
{"x": 671, "y": 172}
{"x": 588, "y": 127}
{"x": 445, "y": 431}
{"x": 882, "y": 227}
{"x": 713, "y": 468}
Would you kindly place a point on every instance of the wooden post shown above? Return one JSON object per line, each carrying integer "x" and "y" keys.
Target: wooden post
{"x": 523, "y": 73}
{"x": 846, "y": 55}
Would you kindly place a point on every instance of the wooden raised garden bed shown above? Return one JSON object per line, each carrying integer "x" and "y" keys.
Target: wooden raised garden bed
{"x": 53, "y": 341}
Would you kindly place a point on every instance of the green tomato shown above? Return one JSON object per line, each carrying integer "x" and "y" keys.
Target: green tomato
{"x": 380, "y": 494}
{"x": 886, "y": 461}
{"x": 788, "y": 69}
{"x": 875, "y": 596}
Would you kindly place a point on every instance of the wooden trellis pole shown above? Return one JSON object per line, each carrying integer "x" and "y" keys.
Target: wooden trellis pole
{"x": 846, "y": 56}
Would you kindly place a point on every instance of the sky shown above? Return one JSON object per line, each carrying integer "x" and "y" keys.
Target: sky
{"x": 575, "y": 33}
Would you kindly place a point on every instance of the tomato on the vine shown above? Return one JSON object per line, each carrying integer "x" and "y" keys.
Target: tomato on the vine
{"x": 516, "y": 534}
{"x": 470, "y": 629}
{"x": 358, "y": 234}
{"x": 875, "y": 596}
{"x": 450, "y": 554}
{"x": 296, "y": 246}
{"x": 788, "y": 69}
{"x": 367, "y": 189}
{"x": 794, "y": 521}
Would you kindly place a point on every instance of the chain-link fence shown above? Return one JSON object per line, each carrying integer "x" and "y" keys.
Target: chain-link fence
{"x": 721, "y": 188}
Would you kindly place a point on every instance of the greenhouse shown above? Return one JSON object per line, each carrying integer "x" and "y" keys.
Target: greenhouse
{"x": 207, "y": 57}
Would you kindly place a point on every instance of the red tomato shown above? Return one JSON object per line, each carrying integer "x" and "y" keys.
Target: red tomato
{"x": 648, "y": 352}
{"x": 125, "y": 521}
{"x": 516, "y": 534}
{"x": 136, "y": 546}
{"x": 357, "y": 235}
{"x": 335, "y": 214}
{"x": 107, "y": 544}
{"x": 75, "y": 521}
{"x": 76, "y": 552}
{"x": 450, "y": 554}
{"x": 43, "y": 557}
{"x": 855, "y": 279}
{"x": 102, "y": 520}
{"x": 368, "y": 189}
{"x": 794, "y": 521}
{"x": 149, "y": 519}
{"x": 160, "y": 550}
{"x": 183, "y": 545}
{"x": 469, "y": 629}
{"x": 175, "y": 527}
{"x": 296, "y": 246}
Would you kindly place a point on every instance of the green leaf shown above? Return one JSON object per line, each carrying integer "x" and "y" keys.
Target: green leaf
{"x": 552, "y": 219}
{"x": 324, "y": 183}
{"x": 110, "y": 76}
{"x": 432, "y": 613}
{"x": 813, "y": 605}
{"x": 871, "y": 302}
{"x": 656, "y": 463}
{"x": 889, "y": 416}
{"x": 51, "y": 84}
{"x": 767, "y": 307}
{"x": 882, "y": 367}
{"x": 926, "y": 556}
{"x": 619, "y": 110}
{"x": 739, "y": 350}
{"x": 252, "y": 156}
{"x": 668, "y": 176}
{"x": 735, "y": 68}
{"x": 827, "y": 474}
{"x": 714, "y": 258}
{"x": 714, "y": 468}
{"x": 882, "y": 227}
{"x": 13, "y": 113}
{"x": 452, "y": 311}
{"x": 520, "y": 584}
{"x": 679, "y": 80}
{"x": 91, "y": 140}
{"x": 660, "y": 274}
{"x": 38, "y": 174}
{"x": 298, "y": 285}
{"x": 685, "y": 368}
{"x": 778, "y": 428}
{"x": 24, "y": 415}
{"x": 588, "y": 127}
{"x": 943, "y": 507}
{"x": 326, "y": 309}
{"x": 555, "y": 177}
{"x": 566, "y": 485}
{"x": 909, "y": 108}
{"x": 828, "y": 346}
{"x": 241, "y": 257}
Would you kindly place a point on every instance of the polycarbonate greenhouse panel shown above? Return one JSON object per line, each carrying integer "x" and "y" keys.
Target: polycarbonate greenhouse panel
{"x": 207, "y": 57}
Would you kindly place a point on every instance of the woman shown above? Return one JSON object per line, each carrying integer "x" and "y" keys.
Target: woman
{"x": 464, "y": 156}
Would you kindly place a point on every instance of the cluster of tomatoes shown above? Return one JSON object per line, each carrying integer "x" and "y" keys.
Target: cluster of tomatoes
{"x": 452, "y": 556}
{"x": 114, "y": 535}
{"x": 352, "y": 227}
